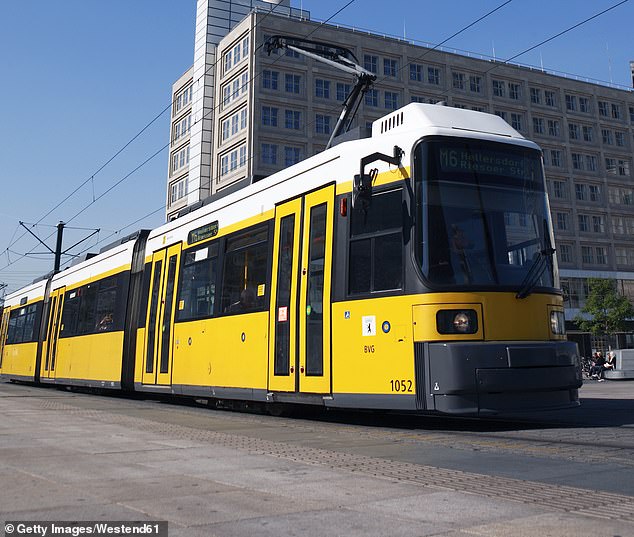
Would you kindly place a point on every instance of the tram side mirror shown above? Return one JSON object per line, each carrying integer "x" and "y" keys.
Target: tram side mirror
{"x": 362, "y": 190}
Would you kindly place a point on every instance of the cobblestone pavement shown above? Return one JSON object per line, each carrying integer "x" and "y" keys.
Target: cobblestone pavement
{"x": 564, "y": 473}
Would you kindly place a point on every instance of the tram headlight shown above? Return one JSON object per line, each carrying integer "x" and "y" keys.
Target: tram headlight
{"x": 457, "y": 322}
{"x": 557, "y": 323}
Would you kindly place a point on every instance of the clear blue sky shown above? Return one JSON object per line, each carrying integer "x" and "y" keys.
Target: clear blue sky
{"x": 81, "y": 77}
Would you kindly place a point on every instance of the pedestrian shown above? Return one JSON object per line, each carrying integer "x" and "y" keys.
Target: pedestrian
{"x": 596, "y": 371}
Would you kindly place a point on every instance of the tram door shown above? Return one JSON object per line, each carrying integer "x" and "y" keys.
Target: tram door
{"x": 299, "y": 352}
{"x": 157, "y": 362}
{"x": 4, "y": 329}
{"x": 53, "y": 327}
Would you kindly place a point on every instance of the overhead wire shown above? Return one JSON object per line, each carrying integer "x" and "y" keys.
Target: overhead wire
{"x": 116, "y": 154}
{"x": 334, "y": 108}
{"x": 551, "y": 38}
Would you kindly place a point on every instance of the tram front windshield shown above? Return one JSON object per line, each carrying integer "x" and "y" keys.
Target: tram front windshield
{"x": 484, "y": 215}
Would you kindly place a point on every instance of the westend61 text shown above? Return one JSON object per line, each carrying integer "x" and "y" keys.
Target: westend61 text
{"x": 95, "y": 529}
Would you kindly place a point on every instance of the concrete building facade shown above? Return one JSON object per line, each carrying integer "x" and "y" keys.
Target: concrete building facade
{"x": 274, "y": 110}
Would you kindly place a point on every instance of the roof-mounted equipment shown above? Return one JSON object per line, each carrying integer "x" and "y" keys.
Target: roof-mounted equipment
{"x": 338, "y": 57}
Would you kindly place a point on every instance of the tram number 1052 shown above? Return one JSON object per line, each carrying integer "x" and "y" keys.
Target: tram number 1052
{"x": 401, "y": 385}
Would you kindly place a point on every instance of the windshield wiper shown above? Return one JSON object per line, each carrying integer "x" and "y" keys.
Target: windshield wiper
{"x": 535, "y": 272}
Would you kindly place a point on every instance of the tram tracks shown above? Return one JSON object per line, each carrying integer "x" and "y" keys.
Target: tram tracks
{"x": 189, "y": 424}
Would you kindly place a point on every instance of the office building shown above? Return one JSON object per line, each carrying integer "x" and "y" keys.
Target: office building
{"x": 265, "y": 112}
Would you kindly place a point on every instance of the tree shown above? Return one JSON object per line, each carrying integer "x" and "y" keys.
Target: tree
{"x": 608, "y": 309}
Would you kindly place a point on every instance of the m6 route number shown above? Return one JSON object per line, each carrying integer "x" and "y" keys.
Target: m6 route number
{"x": 402, "y": 385}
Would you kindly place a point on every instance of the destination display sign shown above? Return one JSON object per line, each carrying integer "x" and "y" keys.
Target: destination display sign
{"x": 475, "y": 160}
{"x": 203, "y": 232}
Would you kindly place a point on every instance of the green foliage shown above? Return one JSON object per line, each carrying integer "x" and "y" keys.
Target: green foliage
{"x": 608, "y": 309}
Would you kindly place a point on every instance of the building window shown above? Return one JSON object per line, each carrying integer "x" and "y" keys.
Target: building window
{"x": 458, "y": 81}
{"x": 588, "y": 133}
{"x": 233, "y": 160}
{"x": 573, "y": 131}
{"x": 606, "y": 135}
{"x": 553, "y": 128}
{"x": 343, "y": 90}
{"x": 236, "y": 54}
{"x": 555, "y": 158}
{"x": 501, "y": 113}
{"x": 581, "y": 192}
{"x": 292, "y": 119}
{"x": 180, "y": 158}
{"x": 632, "y": 114}
{"x": 322, "y": 88}
{"x": 618, "y": 227}
{"x": 617, "y": 166}
{"x": 183, "y": 98}
{"x": 371, "y": 63}
{"x": 571, "y": 103}
{"x": 550, "y": 98}
{"x": 577, "y": 162}
{"x": 234, "y": 124}
{"x": 182, "y": 128}
{"x": 269, "y": 79}
{"x": 560, "y": 190}
{"x": 433, "y": 76}
{"x": 565, "y": 253}
{"x": 603, "y": 109}
{"x": 292, "y": 83}
{"x": 562, "y": 221}
{"x": 621, "y": 196}
{"x": 601, "y": 255}
{"x": 322, "y": 124}
{"x": 514, "y": 91}
{"x": 179, "y": 190}
{"x": 475, "y": 84}
{"x": 416, "y": 72}
{"x": 619, "y": 138}
{"x": 538, "y": 125}
{"x": 583, "y": 221}
{"x": 536, "y": 96}
{"x": 291, "y": 155}
{"x": 390, "y": 67}
{"x": 516, "y": 121}
{"x": 587, "y": 255}
{"x": 499, "y": 88}
{"x": 372, "y": 98}
{"x": 235, "y": 88}
{"x": 616, "y": 111}
{"x": 391, "y": 100}
{"x": 584, "y": 105}
{"x": 269, "y": 154}
{"x": 598, "y": 224}
{"x": 591, "y": 163}
{"x": 269, "y": 116}
{"x": 624, "y": 256}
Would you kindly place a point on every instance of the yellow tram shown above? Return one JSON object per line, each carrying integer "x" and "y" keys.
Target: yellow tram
{"x": 427, "y": 283}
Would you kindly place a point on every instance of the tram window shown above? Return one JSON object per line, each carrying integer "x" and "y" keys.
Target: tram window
{"x": 385, "y": 212}
{"x": 388, "y": 270}
{"x": 22, "y": 325}
{"x": 70, "y": 314}
{"x": 94, "y": 308}
{"x": 86, "y": 321}
{"x": 376, "y": 245}
{"x": 244, "y": 272}
{"x": 106, "y": 306}
{"x": 197, "y": 292}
